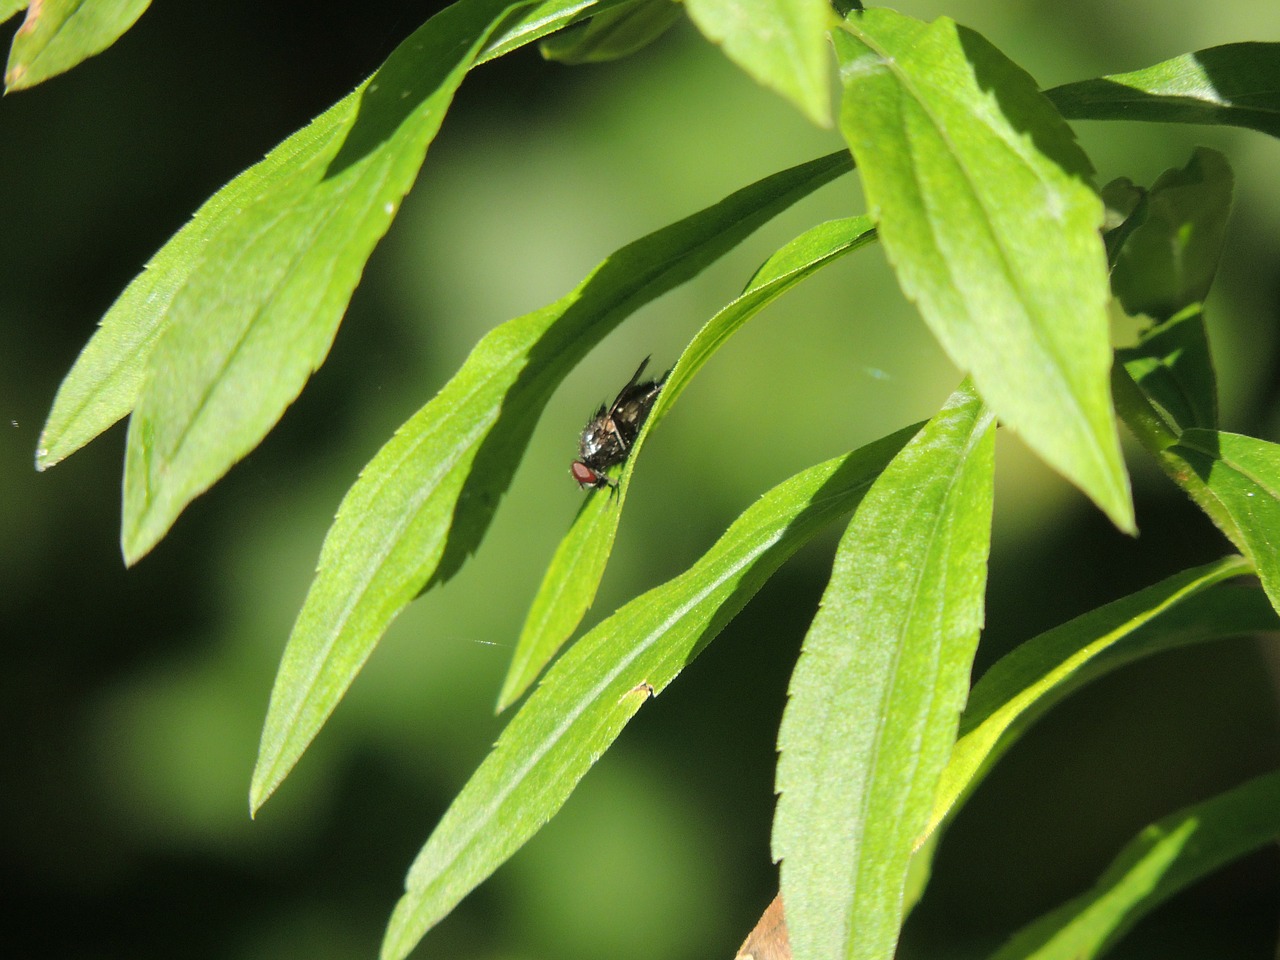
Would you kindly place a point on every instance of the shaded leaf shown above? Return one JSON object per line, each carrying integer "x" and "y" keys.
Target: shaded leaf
{"x": 782, "y": 44}
{"x": 529, "y": 24}
{"x": 984, "y": 207}
{"x": 59, "y": 34}
{"x": 877, "y": 692}
{"x": 1166, "y": 857}
{"x": 425, "y": 500}
{"x": 1236, "y": 480}
{"x": 592, "y": 691}
{"x": 258, "y": 312}
{"x": 614, "y": 33}
{"x": 1237, "y": 84}
{"x": 1166, "y": 254}
{"x": 569, "y": 585}
{"x": 1169, "y": 259}
{"x": 1171, "y": 363}
{"x": 1021, "y": 687}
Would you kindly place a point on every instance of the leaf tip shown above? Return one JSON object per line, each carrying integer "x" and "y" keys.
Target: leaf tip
{"x": 263, "y": 783}
{"x": 1119, "y": 507}
{"x": 399, "y": 939}
{"x": 135, "y": 543}
{"x": 506, "y": 697}
{"x": 44, "y": 460}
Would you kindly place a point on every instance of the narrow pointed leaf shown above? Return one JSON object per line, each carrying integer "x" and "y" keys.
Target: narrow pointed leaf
{"x": 569, "y": 585}
{"x": 259, "y": 311}
{"x": 1019, "y": 689}
{"x": 1236, "y": 480}
{"x": 1166, "y": 857}
{"x": 425, "y": 500}
{"x": 1237, "y": 84}
{"x": 103, "y": 385}
{"x": 597, "y": 686}
{"x": 983, "y": 203}
{"x": 59, "y": 34}
{"x": 877, "y": 692}
{"x": 613, "y": 34}
{"x": 782, "y": 44}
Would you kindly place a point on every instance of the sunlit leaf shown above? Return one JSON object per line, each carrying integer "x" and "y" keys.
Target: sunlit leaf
{"x": 876, "y": 695}
{"x": 1237, "y": 84}
{"x": 781, "y": 43}
{"x": 425, "y": 500}
{"x": 1166, "y": 857}
{"x": 1022, "y": 686}
{"x": 986, "y": 213}
{"x": 59, "y": 34}
{"x": 592, "y": 691}
{"x": 103, "y": 385}
{"x": 9, "y": 7}
{"x": 570, "y": 583}
{"x": 260, "y": 309}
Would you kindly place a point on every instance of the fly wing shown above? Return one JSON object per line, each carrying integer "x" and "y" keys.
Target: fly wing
{"x": 632, "y": 408}
{"x": 622, "y": 394}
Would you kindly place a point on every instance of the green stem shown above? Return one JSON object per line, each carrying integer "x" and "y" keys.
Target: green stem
{"x": 1151, "y": 429}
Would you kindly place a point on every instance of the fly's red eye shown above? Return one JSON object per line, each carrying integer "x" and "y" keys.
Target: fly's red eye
{"x": 585, "y": 476}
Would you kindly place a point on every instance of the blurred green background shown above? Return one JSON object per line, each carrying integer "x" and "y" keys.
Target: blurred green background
{"x": 132, "y": 699}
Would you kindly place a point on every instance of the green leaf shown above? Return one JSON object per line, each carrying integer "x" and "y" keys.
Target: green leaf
{"x": 9, "y": 7}
{"x": 259, "y": 310}
{"x": 1236, "y": 480}
{"x": 569, "y": 585}
{"x": 985, "y": 212}
{"x": 1165, "y": 254}
{"x": 1168, "y": 260}
{"x": 1172, "y": 364}
{"x": 780, "y": 43}
{"x": 1166, "y": 857}
{"x": 425, "y": 500}
{"x": 613, "y": 34}
{"x": 1237, "y": 84}
{"x": 877, "y": 692}
{"x": 103, "y": 385}
{"x": 59, "y": 34}
{"x": 528, "y": 24}
{"x": 597, "y": 686}
{"x": 1021, "y": 687}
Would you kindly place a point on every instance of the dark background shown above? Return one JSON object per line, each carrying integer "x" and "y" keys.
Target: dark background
{"x": 132, "y": 699}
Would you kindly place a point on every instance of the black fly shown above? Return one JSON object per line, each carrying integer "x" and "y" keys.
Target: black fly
{"x": 607, "y": 438}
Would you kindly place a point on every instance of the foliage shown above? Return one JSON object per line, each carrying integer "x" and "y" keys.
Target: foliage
{"x": 988, "y": 214}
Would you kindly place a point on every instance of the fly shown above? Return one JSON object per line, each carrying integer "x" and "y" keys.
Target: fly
{"x": 607, "y": 438}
